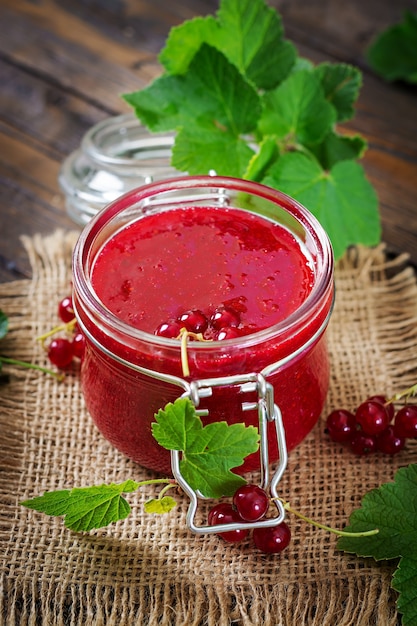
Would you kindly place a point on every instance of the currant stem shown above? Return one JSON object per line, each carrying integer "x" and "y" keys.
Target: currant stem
{"x": 184, "y": 334}
{"x": 340, "y": 533}
{"x": 68, "y": 326}
{"x": 31, "y": 366}
{"x": 165, "y": 489}
{"x": 184, "y": 353}
{"x": 411, "y": 391}
{"x": 169, "y": 482}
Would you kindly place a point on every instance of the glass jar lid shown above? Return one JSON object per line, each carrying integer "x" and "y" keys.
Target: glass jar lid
{"x": 115, "y": 156}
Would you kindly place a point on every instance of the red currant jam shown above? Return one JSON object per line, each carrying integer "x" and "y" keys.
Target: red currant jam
{"x": 196, "y": 258}
{"x": 266, "y": 284}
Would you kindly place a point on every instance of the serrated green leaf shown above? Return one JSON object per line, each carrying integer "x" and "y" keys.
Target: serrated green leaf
{"x": 85, "y": 508}
{"x": 263, "y": 159}
{"x": 341, "y": 84}
{"x": 210, "y": 452}
{"x": 393, "y": 54}
{"x": 4, "y": 324}
{"x": 184, "y": 41}
{"x": 199, "y": 150}
{"x": 248, "y": 32}
{"x": 392, "y": 508}
{"x": 238, "y": 96}
{"x": 212, "y": 91}
{"x": 405, "y": 582}
{"x": 335, "y": 148}
{"x": 301, "y": 63}
{"x": 160, "y": 505}
{"x": 251, "y": 36}
{"x": 211, "y": 479}
{"x": 342, "y": 199}
{"x": 175, "y": 423}
{"x": 218, "y": 448}
{"x": 297, "y": 111}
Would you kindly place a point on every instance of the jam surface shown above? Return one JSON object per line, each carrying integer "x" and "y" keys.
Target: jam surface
{"x": 200, "y": 258}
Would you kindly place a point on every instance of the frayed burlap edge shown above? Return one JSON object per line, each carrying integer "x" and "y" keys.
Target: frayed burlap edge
{"x": 359, "y": 602}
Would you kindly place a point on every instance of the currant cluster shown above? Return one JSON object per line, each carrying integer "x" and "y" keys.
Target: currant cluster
{"x": 375, "y": 426}
{"x": 250, "y": 504}
{"x": 223, "y": 323}
{"x": 61, "y": 351}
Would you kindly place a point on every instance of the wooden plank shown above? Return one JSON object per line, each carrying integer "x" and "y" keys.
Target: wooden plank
{"x": 64, "y": 65}
{"x": 45, "y": 112}
{"x": 395, "y": 180}
{"x": 340, "y": 30}
{"x": 55, "y": 45}
{"x": 30, "y": 196}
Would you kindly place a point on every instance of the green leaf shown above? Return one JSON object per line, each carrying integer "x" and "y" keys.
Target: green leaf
{"x": 341, "y": 84}
{"x": 263, "y": 159}
{"x": 342, "y": 199}
{"x": 335, "y": 148}
{"x": 211, "y": 92}
{"x": 405, "y": 582}
{"x": 160, "y": 505}
{"x": 185, "y": 40}
{"x": 393, "y": 509}
{"x": 393, "y": 54}
{"x": 208, "y": 452}
{"x": 175, "y": 424}
{"x": 4, "y": 324}
{"x": 251, "y": 36}
{"x": 85, "y": 508}
{"x": 248, "y": 32}
{"x": 199, "y": 150}
{"x": 297, "y": 111}
{"x": 238, "y": 97}
{"x": 301, "y": 63}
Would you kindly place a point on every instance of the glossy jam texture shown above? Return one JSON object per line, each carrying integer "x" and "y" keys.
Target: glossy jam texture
{"x": 201, "y": 258}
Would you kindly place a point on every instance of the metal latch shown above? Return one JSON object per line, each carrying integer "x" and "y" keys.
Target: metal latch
{"x": 268, "y": 411}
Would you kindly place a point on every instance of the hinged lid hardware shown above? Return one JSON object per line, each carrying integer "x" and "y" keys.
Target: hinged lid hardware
{"x": 268, "y": 411}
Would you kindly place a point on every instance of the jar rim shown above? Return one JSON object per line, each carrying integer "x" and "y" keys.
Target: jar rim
{"x": 122, "y": 126}
{"x": 297, "y": 319}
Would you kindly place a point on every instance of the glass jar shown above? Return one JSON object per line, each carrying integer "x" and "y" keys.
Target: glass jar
{"x": 127, "y": 374}
{"x": 115, "y": 155}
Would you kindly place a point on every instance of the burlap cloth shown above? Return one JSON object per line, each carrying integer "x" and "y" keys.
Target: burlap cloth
{"x": 150, "y": 569}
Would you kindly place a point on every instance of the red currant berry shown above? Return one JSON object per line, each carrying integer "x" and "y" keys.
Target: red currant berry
{"x": 78, "y": 345}
{"x": 405, "y": 423}
{"x": 251, "y": 502}
{"x": 224, "y": 317}
{"x": 388, "y": 407}
{"x": 194, "y": 321}
{"x": 372, "y": 417}
{"x": 170, "y": 330}
{"x": 363, "y": 444}
{"x": 272, "y": 540}
{"x": 229, "y": 332}
{"x": 224, "y": 513}
{"x": 341, "y": 425}
{"x": 388, "y": 442}
{"x": 66, "y": 310}
{"x": 60, "y": 352}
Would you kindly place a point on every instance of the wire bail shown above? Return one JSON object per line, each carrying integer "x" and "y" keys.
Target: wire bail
{"x": 268, "y": 411}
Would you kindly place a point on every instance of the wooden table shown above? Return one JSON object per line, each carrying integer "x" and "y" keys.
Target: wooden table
{"x": 63, "y": 66}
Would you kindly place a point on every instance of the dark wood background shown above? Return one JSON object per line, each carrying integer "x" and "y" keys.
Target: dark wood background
{"x": 64, "y": 64}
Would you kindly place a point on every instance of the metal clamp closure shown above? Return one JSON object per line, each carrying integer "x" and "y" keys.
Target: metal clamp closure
{"x": 268, "y": 411}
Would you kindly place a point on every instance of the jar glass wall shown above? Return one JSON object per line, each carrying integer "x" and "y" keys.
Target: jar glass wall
{"x": 127, "y": 374}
